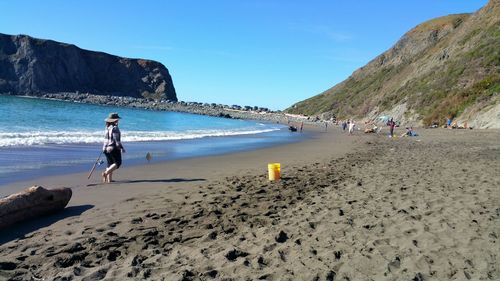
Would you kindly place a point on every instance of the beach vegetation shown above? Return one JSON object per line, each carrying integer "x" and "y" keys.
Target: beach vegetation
{"x": 454, "y": 103}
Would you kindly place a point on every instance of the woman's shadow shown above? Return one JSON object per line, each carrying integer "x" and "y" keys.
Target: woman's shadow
{"x": 162, "y": 180}
{"x": 22, "y": 229}
{"x": 174, "y": 180}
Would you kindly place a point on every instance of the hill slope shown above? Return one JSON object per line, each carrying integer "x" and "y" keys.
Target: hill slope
{"x": 30, "y": 66}
{"x": 446, "y": 67}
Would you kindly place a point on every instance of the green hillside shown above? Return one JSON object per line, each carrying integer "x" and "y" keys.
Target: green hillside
{"x": 439, "y": 69}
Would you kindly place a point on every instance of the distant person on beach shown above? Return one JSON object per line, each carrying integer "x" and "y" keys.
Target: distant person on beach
{"x": 373, "y": 129}
{"x": 391, "y": 125}
{"x": 351, "y": 127}
{"x": 409, "y": 133}
{"x": 301, "y": 126}
{"x": 448, "y": 122}
{"x": 344, "y": 125}
{"x": 112, "y": 147}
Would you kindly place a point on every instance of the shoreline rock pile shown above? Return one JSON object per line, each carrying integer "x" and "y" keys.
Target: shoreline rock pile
{"x": 208, "y": 109}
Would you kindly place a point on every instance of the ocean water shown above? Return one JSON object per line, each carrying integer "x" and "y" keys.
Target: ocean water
{"x": 47, "y": 137}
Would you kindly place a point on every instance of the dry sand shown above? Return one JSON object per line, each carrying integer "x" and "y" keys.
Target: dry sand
{"x": 361, "y": 207}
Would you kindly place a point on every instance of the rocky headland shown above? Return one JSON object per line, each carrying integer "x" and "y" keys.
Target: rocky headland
{"x": 34, "y": 67}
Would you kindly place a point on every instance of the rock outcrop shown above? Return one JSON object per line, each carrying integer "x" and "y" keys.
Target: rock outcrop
{"x": 30, "y": 66}
{"x": 217, "y": 110}
{"x": 448, "y": 67}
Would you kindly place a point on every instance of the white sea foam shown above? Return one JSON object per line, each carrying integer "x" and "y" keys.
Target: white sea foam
{"x": 53, "y": 137}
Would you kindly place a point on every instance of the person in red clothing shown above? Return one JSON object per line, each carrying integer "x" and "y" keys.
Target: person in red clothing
{"x": 391, "y": 125}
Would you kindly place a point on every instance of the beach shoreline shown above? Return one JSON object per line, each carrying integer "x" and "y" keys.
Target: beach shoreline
{"x": 347, "y": 207}
{"x": 46, "y": 148}
{"x": 73, "y": 158}
{"x": 78, "y": 179}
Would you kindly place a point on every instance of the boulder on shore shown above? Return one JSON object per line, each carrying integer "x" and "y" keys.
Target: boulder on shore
{"x": 33, "y": 202}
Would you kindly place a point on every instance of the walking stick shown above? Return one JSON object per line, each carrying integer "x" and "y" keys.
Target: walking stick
{"x": 95, "y": 164}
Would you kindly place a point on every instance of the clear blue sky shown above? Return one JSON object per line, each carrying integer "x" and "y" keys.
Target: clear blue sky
{"x": 269, "y": 53}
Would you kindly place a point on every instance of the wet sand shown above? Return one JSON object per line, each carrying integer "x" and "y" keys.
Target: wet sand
{"x": 363, "y": 207}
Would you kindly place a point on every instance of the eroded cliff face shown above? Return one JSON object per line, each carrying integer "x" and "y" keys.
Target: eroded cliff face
{"x": 445, "y": 67}
{"x": 30, "y": 66}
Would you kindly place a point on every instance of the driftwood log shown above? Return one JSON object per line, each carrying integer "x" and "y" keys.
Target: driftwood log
{"x": 33, "y": 202}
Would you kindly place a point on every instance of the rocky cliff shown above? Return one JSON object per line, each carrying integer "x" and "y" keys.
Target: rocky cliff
{"x": 446, "y": 67}
{"x": 30, "y": 66}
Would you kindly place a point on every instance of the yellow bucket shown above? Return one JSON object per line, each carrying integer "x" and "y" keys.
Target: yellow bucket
{"x": 274, "y": 171}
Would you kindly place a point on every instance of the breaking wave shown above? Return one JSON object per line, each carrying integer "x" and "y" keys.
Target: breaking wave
{"x": 87, "y": 137}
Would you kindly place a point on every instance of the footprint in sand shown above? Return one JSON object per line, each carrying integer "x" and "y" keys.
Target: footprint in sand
{"x": 394, "y": 265}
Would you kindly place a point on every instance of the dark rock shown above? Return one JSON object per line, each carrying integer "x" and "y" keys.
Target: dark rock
{"x": 31, "y": 66}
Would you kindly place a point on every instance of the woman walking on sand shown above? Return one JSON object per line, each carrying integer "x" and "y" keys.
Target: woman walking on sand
{"x": 112, "y": 147}
{"x": 351, "y": 127}
{"x": 344, "y": 125}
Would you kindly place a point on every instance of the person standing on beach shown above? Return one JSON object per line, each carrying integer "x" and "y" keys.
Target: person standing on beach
{"x": 448, "y": 122}
{"x": 112, "y": 147}
{"x": 344, "y": 125}
{"x": 351, "y": 127}
{"x": 391, "y": 124}
{"x": 301, "y": 126}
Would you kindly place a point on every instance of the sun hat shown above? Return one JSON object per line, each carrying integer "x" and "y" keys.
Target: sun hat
{"x": 113, "y": 117}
